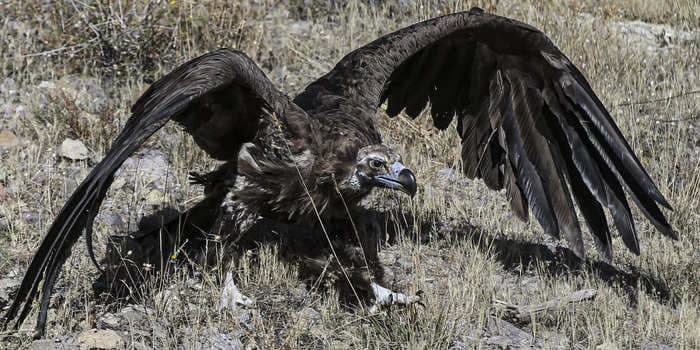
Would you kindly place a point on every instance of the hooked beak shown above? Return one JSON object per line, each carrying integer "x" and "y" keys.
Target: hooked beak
{"x": 400, "y": 178}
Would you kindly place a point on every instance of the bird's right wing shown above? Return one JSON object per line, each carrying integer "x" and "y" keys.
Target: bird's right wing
{"x": 220, "y": 98}
{"x": 528, "y": 119}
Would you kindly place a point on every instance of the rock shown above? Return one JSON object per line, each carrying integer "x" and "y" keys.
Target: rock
{"x": 73, "y": 150}
{"x": 135, "y": 314}
{"x": 506, "y": 335}
{"x": 8, "y": 87}
{"x": 149, "y": 166}
{"x": 100, "y": 339}
{"x": 7, "y": 286}
{"x": 32, "y": 217}
{"x": 8, "y": 139}
{"x": 653, "y": 37}
{"x": 310, "y": 315}
{"x": 108, "y": 320}
{"x": 649, "y": 36}
{"x": 113, "y": 220}
{"x": 194, "y": 283}
{"x": 62, "y": 343}
{"x": 210, "y": 339}
{"x": 607, "y": 346}
{"x": 85, "y": 92}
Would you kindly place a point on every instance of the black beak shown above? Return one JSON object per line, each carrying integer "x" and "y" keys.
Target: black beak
{"x": 408, "y": 182}
{"x": 400, "y": 178}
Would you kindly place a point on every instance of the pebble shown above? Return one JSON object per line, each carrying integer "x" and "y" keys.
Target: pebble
{"x": 73, "y": 150}
{"x": 100, "y": 339}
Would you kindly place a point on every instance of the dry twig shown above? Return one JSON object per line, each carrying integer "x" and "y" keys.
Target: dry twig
{"x": 523, "y": 314}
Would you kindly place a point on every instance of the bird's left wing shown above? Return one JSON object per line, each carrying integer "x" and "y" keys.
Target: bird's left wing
{"x": 220, "y": 98}
{"x": 528, "y": 119}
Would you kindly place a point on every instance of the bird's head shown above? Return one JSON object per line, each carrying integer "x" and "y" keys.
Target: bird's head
{"x": 379, "y": 166}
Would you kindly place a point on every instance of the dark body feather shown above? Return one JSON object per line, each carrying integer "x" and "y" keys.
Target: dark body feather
{"x": 528, "y": 120}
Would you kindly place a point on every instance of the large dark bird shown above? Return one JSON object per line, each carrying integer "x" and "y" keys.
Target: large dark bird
{"x": 528, "y": 120}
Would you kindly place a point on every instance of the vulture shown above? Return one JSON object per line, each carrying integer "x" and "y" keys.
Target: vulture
{"x": 528, "y": 120}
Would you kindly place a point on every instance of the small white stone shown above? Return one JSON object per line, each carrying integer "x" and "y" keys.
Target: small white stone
{"x": 73, "y": 149}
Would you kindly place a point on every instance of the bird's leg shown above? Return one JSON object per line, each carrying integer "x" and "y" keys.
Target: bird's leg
{"x": 384, "y": 297}
{"x": 231, "y": 296}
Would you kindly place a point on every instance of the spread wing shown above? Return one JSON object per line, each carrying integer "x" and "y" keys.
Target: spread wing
{"x": 220, "y": 98}
{"x": 528, "y": 119}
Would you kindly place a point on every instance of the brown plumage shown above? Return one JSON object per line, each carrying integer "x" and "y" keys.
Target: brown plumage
{"x": 528, "y": 120}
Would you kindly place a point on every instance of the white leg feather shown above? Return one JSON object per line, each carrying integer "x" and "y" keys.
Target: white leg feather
{"x": 386, "y": 297}
{"x": 231, "y": 296}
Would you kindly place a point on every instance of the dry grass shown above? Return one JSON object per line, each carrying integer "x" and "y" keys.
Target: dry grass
{"x": 126, "y": 44}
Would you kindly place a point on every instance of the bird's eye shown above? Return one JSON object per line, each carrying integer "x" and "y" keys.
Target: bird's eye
{"x": 376, "y": 164}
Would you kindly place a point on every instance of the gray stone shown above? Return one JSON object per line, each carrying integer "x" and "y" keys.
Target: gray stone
{"x": 310, "y": 315}
{"x": 210, "y": 339}
{"x": 653, "y": 37}
{"x": 85, "y": 92}
{"x": 135, "y": 315}
{"x": 8, "y": 285}
{"x": 73, "y": 150}
{"x": 108, "y": 320}
{"x": 506, "y": 335}
{"x": 100, "y": 339}
{"x": 32, "y": 217}
{"x": 8, "y": 87}
{"x": 61, "y": 343}
{"x": 607, "y": 346}
{"x": 113, "y": 220}
{"x": 194, "y": 283}
{"x": 648, "y": 36}
{"x": 149, "y": 166}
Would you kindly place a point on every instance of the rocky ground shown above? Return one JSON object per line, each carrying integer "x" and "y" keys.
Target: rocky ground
{"x": 65, "y": 92}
